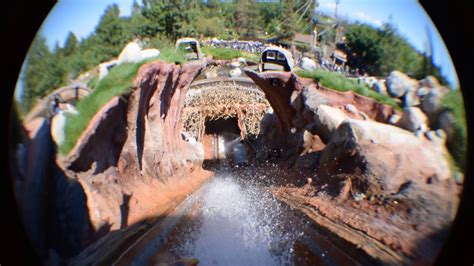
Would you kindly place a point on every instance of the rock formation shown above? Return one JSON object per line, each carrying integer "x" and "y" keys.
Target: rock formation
{"x": 307, "y": 63}
{"x": 129, "y": 165}
{"x": 133, "y": 146}
{"x": 302, "y": 104}
{"x": 398, "y": 84}
{"x": 371, "y": 181}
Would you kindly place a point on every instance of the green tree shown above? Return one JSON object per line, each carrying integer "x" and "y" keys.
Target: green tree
{"x": 269, "y": 14}
{"x": 380, "y": 51}
{"x": 58, "y": 68}
{"x": 37, "y": 74}
{"x": 110, "y": 34}
{"x": 70, "y": 45}
{"x": 246, "y": 18}
{"x": 162, "y": 18}
{"x": 288, "y": 26}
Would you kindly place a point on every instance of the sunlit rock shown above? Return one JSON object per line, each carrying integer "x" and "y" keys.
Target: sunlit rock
{"x": 130, "y": 54}
{"x": 412, "y": 119}
{"x": 399, "y": 83}
{"x": 149, "y": 53}
{"x": 308, "y": 64}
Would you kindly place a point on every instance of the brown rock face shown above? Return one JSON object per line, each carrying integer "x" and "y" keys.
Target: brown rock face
{"x": 388, "y": 154}
{"x": 380, "y": 187}
{"x": 295, "y": 102}
{"x": 279, "y": 86}
{"x": 154, "y": 121}
{"x": 106, "y": 132}
{"x": 131, "y": 160}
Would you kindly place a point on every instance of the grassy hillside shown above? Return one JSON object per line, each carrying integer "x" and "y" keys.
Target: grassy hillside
{"x": 117, "y": 82}
{"x": 339, "y": 82}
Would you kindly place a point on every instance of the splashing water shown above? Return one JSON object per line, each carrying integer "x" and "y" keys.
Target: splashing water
{"x": 241, "y": 223}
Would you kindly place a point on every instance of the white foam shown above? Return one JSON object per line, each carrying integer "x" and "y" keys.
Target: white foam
{"x": 240, "y": 225}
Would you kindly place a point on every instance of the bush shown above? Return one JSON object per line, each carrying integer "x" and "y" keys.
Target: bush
{"x": 303, "y": 47}
{"x": 221, "y": 53}
{"x": 339, "y": 82}
{"x": 453, "y": 101}
{"x": 160, "y": 42}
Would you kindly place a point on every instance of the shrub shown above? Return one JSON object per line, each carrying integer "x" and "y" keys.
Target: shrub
{"x": 453, "y": 102}
{"x": 303, "y": 47}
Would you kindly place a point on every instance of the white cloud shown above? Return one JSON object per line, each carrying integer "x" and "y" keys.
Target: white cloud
{"x": 368, "y": 18}
{"x": 327, "y": 5}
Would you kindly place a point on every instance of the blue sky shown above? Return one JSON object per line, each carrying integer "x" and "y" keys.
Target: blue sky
{"x": 82, "y": 16}
{"x": 78, "y": 16}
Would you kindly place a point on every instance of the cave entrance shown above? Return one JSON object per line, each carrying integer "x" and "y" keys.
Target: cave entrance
{"x": 222, "y": 126}
{"x": 222, "y": 140}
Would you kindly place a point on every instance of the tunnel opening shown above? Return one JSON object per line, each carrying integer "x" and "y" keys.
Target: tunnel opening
{"x": 223, "y": 143}
{"x": 222, "y": 126}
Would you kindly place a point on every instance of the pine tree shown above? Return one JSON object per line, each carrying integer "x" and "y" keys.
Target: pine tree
{"x": 70, "y": 45}
{"x": 37, "y": 74}
{"x": 110, "y": 34}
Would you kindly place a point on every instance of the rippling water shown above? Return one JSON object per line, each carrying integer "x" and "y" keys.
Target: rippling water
{"x": 240, "y": 224}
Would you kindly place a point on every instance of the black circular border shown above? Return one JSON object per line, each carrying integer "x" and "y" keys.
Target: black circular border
{"x": 22, "y": 19}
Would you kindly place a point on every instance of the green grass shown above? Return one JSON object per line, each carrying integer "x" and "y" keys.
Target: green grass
{"x": 93, "y": 82}
{"x": 303, "y": 47}
{"x": 453, "y": 101}
{"x": 221, "y": 53}
{"x": 251, "y": 57}
{"x": 117, "y": 82}
{"x": 339, "y": 82}
{"x": 170, "y": 55}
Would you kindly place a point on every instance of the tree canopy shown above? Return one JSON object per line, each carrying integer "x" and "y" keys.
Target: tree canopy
{"x": 380, "y": 51}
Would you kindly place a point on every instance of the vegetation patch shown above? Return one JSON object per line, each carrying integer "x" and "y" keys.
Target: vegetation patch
{"x": 117, "y": 82}
{"x": 221, "y": 53}
{"x": 170, "y": 55}
{"x": 339, "y": 82}
{"x": 93, "y": 82}
{"x": 453, "y": 101}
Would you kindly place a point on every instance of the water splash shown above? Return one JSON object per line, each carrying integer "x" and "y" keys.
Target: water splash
{"x": 241, "y": 223}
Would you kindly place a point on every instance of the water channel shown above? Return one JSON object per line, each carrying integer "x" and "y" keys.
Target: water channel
{"x": 237, "y": 221}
